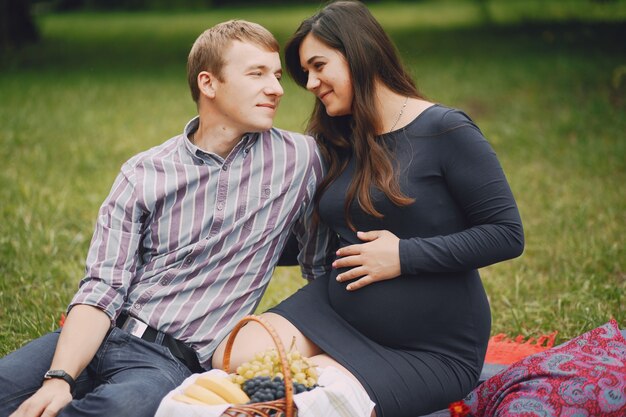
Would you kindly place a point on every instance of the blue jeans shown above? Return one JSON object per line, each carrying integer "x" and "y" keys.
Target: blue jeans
{"x": 127, "y": 377}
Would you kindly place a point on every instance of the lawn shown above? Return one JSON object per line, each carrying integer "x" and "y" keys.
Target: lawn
{"x": 546, "y": 83}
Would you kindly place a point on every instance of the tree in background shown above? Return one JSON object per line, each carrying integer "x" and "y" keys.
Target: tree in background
{"x": 68, "y": 5}
{"x": 16, "y": 24}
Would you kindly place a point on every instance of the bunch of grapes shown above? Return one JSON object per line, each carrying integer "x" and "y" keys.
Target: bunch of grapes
{"x": 264, "y": 388}
{"x": 267, "y": 364}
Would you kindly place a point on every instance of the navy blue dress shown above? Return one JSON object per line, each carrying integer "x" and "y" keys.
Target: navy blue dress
{"x": 417, "y": 342}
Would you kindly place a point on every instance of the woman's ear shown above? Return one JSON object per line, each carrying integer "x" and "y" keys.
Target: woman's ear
{"x": 206, "y": 84}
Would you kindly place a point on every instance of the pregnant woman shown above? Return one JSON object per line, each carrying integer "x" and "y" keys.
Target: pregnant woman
{"x": 418, "y": 201}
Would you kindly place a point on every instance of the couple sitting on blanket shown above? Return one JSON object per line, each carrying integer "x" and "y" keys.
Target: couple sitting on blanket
{"x": 395, "y": 202}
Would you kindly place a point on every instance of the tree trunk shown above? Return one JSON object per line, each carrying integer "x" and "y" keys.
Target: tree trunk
{"x": 16, "y": 24}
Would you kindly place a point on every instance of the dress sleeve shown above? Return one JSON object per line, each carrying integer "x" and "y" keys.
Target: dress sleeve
{"x": 477, "y": 183}
{"x": 316, "y": 241}
{"x": 114, "y": 251}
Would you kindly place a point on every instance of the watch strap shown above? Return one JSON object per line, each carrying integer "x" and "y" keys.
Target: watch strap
{"x": 61, "y": 374}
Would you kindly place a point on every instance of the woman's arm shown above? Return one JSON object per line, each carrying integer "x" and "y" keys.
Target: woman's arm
{"x": 476, "y": 181}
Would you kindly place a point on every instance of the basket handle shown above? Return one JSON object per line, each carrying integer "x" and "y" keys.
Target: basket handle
{"x": 281, "y": 354}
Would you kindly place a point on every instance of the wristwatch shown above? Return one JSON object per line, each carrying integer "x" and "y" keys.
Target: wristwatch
{"x": 61, "y": 374}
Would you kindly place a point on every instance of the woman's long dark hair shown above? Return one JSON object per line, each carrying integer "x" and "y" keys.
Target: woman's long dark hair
{"x": 350, "y": 28}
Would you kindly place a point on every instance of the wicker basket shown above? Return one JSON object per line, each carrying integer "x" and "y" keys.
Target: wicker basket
{"x": 283, "y": 407}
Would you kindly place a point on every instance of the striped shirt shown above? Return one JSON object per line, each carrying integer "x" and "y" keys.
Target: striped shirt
{"x": 187, "y": 241}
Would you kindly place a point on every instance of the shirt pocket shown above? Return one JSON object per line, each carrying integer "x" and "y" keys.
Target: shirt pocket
{"x": 264, "y": 207}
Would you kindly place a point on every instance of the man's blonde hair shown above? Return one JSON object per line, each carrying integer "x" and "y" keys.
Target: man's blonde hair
{"x": 207, "y": 52}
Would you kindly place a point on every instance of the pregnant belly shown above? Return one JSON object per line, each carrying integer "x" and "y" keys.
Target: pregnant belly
{"x": 411, "y": 311}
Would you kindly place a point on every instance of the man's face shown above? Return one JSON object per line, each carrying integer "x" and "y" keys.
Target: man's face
{"x": 249, "y": 93}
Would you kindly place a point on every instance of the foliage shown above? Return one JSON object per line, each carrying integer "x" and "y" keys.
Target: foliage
{"x": 549, "y": 96}
{"x": 69, "y": 5}
{"x": 16, "y": 24}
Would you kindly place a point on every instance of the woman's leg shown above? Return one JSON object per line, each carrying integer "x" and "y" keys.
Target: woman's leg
{"x": 323, "y": 360}
{"x": 253, "y": 338}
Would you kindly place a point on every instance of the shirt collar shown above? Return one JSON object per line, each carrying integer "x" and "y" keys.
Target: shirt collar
{"x": 190, "y": 128}
{"x": 247, "y": 141}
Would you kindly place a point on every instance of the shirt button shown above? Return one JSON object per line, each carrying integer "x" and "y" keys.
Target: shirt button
{"x": 225, "y": 167}
{"x": 220, "y": 206}
{"x": 137, "y": 306}
{"x": 188, "y": 261}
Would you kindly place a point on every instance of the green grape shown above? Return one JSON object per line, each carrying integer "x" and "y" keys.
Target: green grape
{"x": 268, "y": 364}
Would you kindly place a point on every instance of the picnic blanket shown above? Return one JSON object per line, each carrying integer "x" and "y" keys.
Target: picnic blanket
{"x": 585, "y": 376}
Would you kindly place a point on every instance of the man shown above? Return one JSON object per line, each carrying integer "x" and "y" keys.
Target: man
{"x": 184, "y": 244}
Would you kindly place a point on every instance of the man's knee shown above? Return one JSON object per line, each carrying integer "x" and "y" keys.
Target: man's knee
{"x": 138, "y": 398}
{"x": 21, "y": 371}
{"x": 11, "y": 399}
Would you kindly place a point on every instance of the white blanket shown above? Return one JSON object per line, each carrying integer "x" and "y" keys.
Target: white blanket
{"x": 337, "y": 396}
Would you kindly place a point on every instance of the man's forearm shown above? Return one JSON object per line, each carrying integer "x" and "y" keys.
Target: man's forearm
{"x": 83, "y": 332}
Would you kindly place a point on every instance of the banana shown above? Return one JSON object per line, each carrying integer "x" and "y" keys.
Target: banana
{"x": 187, "y": 399}
{"x": 223, "y": 387}
{"x": 204, "y": 395}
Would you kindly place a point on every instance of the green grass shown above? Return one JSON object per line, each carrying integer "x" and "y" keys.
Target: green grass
{"x": 549, "y": 93}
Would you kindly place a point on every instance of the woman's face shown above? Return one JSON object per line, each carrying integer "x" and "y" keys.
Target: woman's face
{"x": 328, "y": 75}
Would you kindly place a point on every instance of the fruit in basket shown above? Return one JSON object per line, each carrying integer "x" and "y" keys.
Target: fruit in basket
{"x": 264, "y": 388}
{"x": 204, "y": 395}
{"x": 268, "y": 364}
{"x": 263, "y": 364}
{"x": 223, "y": 387}
{"x": 187, "y": 399}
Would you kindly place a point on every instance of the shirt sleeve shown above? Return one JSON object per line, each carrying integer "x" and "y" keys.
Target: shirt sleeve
{"x": 114, "y": 251}
{"x": 315, "y": 239}
{"x": 477, "y": 183}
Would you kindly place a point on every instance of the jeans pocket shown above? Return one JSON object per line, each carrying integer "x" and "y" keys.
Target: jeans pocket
{"x": 163, "y": 352}
{"x": 168, "y": 353}
{"x": 117, "y": 336}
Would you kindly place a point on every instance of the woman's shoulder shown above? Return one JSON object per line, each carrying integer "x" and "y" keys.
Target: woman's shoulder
{"x": 439, "y": 119}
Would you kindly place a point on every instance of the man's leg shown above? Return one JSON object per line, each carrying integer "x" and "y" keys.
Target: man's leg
{"x": 21, "y": 372}
{"x": 134, "y": 376}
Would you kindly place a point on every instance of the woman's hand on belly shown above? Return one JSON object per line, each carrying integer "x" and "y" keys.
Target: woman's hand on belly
{"x": 377, "y": 259}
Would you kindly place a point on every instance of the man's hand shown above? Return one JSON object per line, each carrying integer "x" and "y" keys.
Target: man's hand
{"x": 83, "y": 332}
{"x": 47, "y": 401}
{"x": 376, "y": 260}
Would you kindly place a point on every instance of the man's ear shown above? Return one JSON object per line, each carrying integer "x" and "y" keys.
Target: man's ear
{"x": 207, "y": 84}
